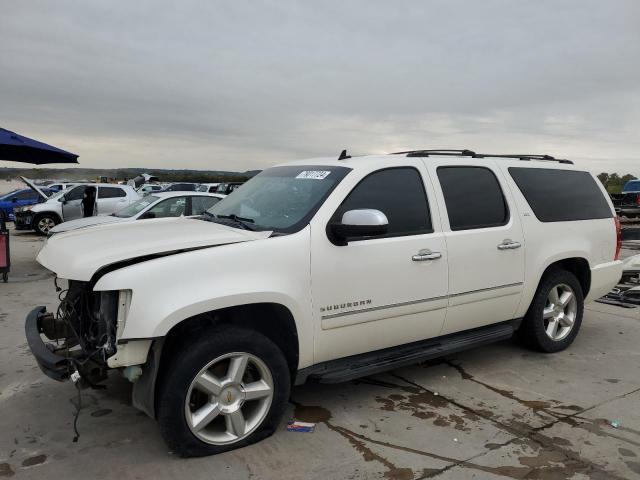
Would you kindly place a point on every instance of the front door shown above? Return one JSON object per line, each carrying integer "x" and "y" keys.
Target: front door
{"x": 485, "y": 242}
{"x": 72, "y": 203}
{"x": 380, "y": 292}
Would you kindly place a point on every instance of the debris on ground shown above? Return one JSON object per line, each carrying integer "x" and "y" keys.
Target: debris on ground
{"x": 305, "y": 427}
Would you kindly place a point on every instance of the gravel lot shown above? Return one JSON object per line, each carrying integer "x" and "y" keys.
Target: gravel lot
{"x": 493, "y": 412}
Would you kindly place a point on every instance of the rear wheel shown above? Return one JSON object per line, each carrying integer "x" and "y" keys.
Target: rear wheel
{"x": 226, "y": 389}
{"x": 555, "y": 314}
{"x": 44, "y": 222}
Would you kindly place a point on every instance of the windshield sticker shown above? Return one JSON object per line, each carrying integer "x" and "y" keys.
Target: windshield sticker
{"x": 314, "y": 174}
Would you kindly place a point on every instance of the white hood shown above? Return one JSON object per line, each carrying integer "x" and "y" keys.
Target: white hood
{"x": 87, "y": 222}
{"x": 34, "y": 187}
{"x": 78, "y": 254}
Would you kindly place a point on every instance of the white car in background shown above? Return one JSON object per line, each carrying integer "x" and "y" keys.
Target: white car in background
{"x": 208, "y": 187}
{"x": 149, "y": 188}
{"x": 157, "y": 205}
{"x": 67, "y": 205}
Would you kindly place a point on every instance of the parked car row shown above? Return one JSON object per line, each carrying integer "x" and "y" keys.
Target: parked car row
{"x": 627, "y": 203}
{"x": 41, "y": 208}
{"x": 24, "y": 197}
{"x": 157, "y": 205}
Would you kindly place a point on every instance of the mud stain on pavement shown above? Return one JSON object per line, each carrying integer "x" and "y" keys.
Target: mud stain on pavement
{"x": 35, "y": 460}
{"x": 625, "y": 452}
{"x": 547, "y": 464}
{"x": 6, "y": 470}
{"x": 535, "y": 405}
{"x": 101, "y": 413}
{"x": 633, "y": 466}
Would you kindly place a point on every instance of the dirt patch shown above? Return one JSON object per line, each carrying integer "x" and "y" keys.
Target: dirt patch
{"x": 35, "y": 460}
{"x": 6, "y": 470}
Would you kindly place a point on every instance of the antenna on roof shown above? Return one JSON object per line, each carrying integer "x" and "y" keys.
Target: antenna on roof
{"x": 343, "y": 155}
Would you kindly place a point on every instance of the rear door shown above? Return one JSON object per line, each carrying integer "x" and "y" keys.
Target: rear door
{"x": 110, "y": 200}
{"x": 381, "y": 291}
{"x": 485, "y": 243}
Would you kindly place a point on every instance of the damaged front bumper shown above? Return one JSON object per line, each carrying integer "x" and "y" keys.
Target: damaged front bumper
{"x": 84, "y": 335}
{"x": 51, "y": 362}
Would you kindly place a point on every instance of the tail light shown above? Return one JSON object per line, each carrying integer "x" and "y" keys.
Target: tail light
{"x": 638, "y": 199}
{"x": 618, "y": 238}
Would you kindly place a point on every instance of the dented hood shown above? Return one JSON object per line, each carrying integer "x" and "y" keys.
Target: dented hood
{"x": 78, "y": 254}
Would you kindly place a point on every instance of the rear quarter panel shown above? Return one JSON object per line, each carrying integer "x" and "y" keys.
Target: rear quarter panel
{"x": 550, "y": 242}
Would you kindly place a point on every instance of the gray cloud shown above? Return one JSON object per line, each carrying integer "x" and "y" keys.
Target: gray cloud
{"x": 239, "y": 85}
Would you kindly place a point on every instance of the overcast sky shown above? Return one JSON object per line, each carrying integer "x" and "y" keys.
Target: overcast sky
{"x": 238, "y": 85}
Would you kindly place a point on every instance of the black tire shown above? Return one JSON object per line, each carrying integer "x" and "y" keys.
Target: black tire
{"x": 532, "y": 332}
{"x": 44, "y": 216}
{"x": 186, "y": 362}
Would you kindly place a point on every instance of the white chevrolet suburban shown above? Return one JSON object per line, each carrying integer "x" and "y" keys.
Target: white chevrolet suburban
{"x": 334, "y": 269}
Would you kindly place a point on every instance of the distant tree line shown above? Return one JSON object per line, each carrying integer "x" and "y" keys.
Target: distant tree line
{"x": 614, "y": 182}
{"x": 117, "y": 174}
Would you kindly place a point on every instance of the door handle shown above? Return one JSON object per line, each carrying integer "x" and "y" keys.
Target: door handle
{"x": 509, "y": 245}
{"x": 424, "y": 255}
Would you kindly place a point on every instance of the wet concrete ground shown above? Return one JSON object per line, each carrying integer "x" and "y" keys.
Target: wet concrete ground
{"x": 493, "y": 412}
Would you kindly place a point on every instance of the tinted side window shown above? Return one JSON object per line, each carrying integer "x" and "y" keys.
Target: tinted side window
{"x": 110, "y": 192}
{"x": 561, "y": 195}
{"x": 473, "y": 197}
{"x": 399, "y": 194}
{"x": 75, "y": 194}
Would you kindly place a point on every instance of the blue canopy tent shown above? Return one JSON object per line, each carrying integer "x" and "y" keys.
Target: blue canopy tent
{"x": 17, "y": 148}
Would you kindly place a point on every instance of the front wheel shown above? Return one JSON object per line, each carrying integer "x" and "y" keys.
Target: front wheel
{"x": 224, "y": 390}
{"x": 555, "y": 315}
{"x": 43, "y": 223}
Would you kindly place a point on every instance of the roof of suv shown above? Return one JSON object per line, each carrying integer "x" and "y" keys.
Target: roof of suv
{"x": 344, "y": 159}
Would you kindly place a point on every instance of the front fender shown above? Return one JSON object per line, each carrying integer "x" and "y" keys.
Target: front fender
{"x": 168, "y": 290}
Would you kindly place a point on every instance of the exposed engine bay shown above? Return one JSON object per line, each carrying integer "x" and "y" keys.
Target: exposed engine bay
{"x": 83, "y": 330}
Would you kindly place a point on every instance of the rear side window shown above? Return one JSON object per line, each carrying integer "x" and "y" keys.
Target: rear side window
{"x": 399, "y": 194}
{"x": 111, "y": 192}
{"x": 473, "y": 197}
{"x": 561, "y": 195}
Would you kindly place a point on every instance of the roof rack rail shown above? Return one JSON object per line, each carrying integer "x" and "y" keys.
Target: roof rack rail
{"x": 472, "y": 154}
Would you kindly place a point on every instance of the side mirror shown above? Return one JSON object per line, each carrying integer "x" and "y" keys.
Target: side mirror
{"x": 359, "y": 223}
{"x": 14, "y": 200}
{"x": 148, "y": 215}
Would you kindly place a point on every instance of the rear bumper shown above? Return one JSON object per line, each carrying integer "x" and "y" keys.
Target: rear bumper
{"x": 53, "y": 365}
{"x": 603, "y": 278}
{"x": 628, "y": 210}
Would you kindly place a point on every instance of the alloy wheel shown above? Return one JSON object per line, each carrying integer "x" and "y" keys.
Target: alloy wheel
{"x": 560, "y": 312}
{"x": 45, "y": 224}
{"x": 229, "y": 398}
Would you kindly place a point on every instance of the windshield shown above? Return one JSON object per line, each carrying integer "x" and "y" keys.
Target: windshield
{"x": 282, "y": 199}
{"x": 632, "y": 186}
{"x": 136, "y": 207}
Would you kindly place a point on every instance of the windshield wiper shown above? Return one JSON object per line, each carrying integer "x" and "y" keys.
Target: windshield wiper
{"x": 241, "y": 221}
